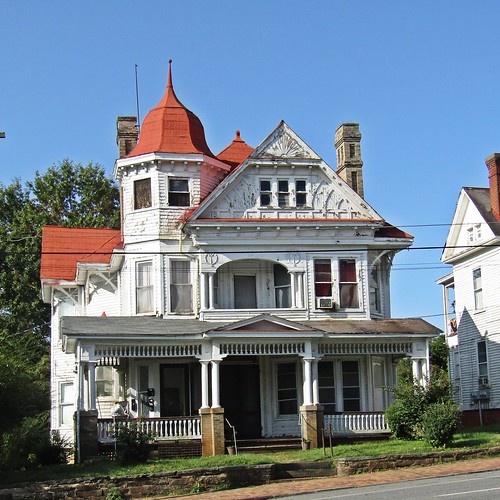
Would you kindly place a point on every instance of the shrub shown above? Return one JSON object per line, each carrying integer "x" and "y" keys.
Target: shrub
{"x": 133, "y": 444}
{"x": 440, "y": 422}
{"x": 31, "y": 444}
{"x": 404, "y": 417}
{"x": 52, "y": 450}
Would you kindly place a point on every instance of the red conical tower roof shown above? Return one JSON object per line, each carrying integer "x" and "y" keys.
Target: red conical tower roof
{"x": 171, "y": 128}
{"x": 237, "y": 152}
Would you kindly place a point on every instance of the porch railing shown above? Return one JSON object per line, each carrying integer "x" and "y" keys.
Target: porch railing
{"x": 356, "y": 423}
{"x": 164, "y": 429}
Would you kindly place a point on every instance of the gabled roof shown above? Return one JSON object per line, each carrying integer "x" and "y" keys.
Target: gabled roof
{"x": 473, "y": 207}
{"x": 481, "y": 199}
{"x": 171, "y": 128}
{"x": 237, "y": 152}
{"x": 64, "y": 247}
{"x": 282, "y": 148}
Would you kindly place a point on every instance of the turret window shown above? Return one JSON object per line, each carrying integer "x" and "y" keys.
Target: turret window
{"x": 178, "y": 193}
{"x": 142, "y": 194}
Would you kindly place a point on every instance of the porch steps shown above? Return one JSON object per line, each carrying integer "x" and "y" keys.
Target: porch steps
{"x": 297, "y": 470}
{"x": 266, "y": 445}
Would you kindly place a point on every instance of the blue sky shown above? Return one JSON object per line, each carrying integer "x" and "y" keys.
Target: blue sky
{"x": 421, "y": 78}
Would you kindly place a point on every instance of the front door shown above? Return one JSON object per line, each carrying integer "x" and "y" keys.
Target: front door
{"x": 245, "y": 292}
{"x": 240, "y": 398}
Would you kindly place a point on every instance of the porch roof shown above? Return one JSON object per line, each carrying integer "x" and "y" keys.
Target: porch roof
{"x": 392, "y": 326}
{"x": 147, "y": 327}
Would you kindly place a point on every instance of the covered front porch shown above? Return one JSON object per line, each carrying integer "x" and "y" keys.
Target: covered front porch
{"x": 265, "y": 377}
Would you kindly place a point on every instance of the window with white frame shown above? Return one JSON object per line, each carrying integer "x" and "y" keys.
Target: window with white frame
{"x": 282, "y": 286}
{"x": 283, "y": 194}
{"x": 142, "y": 194}
{"x": 300, "y": 193}
{"x": 144, "y": 287}
{"x": 105, "y": 381}
{"x": 348, "y": 283}
{"x": 326, "y": 384}
{"x": 482, "y": 362}
{"x": 477, "y": 283}
{"x": 351, "y": 390}
{"x": 265, "y": 193}
{"x": 323, "y": 277}
{"x": 181, "y": 288}
{"x": 287, "y": 389}
{"x": 346, "y": 293}
{"x": 178, "y": 193}
{"x": 66, "y": 403}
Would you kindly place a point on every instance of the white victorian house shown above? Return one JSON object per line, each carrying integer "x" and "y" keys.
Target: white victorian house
{"x": 249, "y": 288}
{"x": 472, "y": 299}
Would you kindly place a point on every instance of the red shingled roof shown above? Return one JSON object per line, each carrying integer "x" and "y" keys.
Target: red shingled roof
{"x": 237, "y": 152}
{"x": 171, "y": 128}
{"x": 64, "y": 247}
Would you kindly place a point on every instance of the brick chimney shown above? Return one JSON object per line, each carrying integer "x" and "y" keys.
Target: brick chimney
{"x": 493, "y": 164}
{"x": 349, "y": 163}
{"x": 126, "y": 134}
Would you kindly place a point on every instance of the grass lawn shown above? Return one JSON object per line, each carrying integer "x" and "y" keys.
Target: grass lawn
{"x": 484, "y": 437}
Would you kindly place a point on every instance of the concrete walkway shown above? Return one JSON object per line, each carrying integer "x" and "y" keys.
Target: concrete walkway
{"x": 291, "y": 487}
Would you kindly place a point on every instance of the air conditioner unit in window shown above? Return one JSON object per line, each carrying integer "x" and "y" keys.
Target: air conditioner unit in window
{"x": 325, "y": 303}
{"x": 483, "y": 381}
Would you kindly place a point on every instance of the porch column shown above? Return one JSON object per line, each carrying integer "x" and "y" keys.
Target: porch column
{"x": 203, "y": 291}
{"x": 204, "y": 384}
{"x": 211, "y": 291}
{"x": 315, "y": 382}
{"x": 293, "y": 289}
{"x": 215, "y": 383}
{"x": 416, "y": 370}
{"x": 307, "y": 382}
{"x": 92, "y": 389}
{"x": 80, "y": 387}
{"x": 300, "y": 280}
{"x": 424, "y": 371}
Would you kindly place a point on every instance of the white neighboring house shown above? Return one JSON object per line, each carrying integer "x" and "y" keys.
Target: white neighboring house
{"x": 252, "y": 286}
{"x": 472, "y": 299}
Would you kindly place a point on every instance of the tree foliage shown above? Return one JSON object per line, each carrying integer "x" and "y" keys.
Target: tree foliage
{"x": 69, "y": 195}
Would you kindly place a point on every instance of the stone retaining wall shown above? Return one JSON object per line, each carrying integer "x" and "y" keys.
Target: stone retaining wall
{"x": 349, "y": 466}
{"x": 197, "y": 480}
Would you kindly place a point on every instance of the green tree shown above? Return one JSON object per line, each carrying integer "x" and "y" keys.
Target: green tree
{"x": 69, "y": 195}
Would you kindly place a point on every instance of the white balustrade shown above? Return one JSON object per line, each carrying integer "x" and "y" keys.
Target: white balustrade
{"x": 163, "y": 429}
{"x": 356, "y": 423}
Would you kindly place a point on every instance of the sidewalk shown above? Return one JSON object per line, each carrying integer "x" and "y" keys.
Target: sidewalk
{"x": 291, "y": 487}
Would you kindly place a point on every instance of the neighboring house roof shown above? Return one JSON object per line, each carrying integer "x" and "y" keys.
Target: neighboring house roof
{"x": 237, "y": 152}
{"x": 140, "y": 326}
{"x": 482, "y": 200}
{"x": 171, "y": 128}
{"x": 64, "y": 247}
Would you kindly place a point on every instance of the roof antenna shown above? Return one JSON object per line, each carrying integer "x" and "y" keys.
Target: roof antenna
{"x": 138, "y": 124}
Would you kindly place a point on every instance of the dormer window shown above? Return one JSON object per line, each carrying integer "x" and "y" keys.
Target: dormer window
{"x": 142, "y": 194}
{"x": 178, "y": 193}
{"x": 265, "y": 193}
{"x": 300, "y": 193}
{"x": 283, "y": 194}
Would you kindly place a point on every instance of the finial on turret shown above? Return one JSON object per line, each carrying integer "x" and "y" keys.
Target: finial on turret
{"x": 169, "y": 80}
